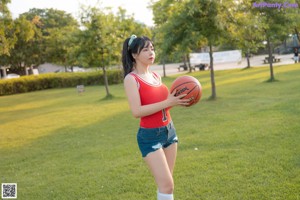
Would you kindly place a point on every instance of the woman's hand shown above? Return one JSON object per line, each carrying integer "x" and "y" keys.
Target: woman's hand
{"x": 177, "y": 100}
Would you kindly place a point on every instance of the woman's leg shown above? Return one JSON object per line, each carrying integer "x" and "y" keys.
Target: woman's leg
{"x": 171, "y": 152}
{"x": 158, "y": 164}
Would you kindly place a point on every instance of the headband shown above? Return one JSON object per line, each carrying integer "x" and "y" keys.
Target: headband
{"x": 131, "y": 40}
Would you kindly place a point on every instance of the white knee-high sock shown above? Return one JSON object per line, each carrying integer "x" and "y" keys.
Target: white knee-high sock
{"x": 161, "y": 196}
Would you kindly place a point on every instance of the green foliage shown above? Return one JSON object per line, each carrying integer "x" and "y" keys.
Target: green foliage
{"x": 244, "y": 28}
{"x": 62, "y": 46}
{"x": 42, "y": 35}
{"x": 50, "y": 18}
{"x": 53, "y": 41}
{"x": 7, "y": 35}
{"x": 189, "y": 25}
{"x": 295, "y": 26}
{"x": 275, "y": 21}
{"x": 56, "y": 144}
{"x": 103, "y": 34}
{"x": 48, "y": 81}
{"x": 27, "y": 49}
{"x": 276, "y": 24}
{"x": 53, "y": 36}
{"x": 102, "y": 37}
{"x": 97, "y": 37}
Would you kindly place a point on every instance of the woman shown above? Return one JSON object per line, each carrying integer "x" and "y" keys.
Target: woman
{"x": 151, "y": 101}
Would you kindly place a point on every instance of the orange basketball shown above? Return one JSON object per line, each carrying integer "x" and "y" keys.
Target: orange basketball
{"x": 187, "y": 85}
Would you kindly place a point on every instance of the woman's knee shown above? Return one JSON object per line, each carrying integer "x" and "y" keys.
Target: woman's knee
{"x": 167, "y": 187}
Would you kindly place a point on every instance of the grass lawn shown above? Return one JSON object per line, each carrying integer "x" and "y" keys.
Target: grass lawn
{"x": 56, "y": 144}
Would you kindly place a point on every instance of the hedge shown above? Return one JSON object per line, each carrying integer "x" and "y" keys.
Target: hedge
{"x": 57, "y": 80}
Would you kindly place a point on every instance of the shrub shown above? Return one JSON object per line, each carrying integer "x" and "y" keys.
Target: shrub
{"x": 60, "y": 80}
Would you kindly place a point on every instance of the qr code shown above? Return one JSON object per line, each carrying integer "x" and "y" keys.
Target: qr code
{"x": 9, "y": 190}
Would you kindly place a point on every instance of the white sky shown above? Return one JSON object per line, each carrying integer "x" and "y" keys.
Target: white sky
{"x": 136, "y": 7}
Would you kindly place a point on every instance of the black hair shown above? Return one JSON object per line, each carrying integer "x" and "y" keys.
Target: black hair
{"x": 135, "y": 47}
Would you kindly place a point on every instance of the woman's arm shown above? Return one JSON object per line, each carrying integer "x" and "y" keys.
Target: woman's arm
{"x": 138, "y": 110}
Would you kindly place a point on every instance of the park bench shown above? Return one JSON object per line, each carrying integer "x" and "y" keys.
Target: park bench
{"x": 201, "y": 67}
{"x": 184, "y": 67}
{"x": 274, "y": 59}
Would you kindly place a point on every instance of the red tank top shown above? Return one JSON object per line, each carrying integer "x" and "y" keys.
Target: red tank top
{"x": 149, "y": 94}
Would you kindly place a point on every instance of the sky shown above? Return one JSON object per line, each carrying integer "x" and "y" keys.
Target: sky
{"x": 136, "y": 7}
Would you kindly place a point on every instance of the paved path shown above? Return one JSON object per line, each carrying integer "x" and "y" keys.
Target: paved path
{"x": 256, "y": 61}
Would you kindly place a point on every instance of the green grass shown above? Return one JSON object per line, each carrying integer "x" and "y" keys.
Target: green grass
{"x": 56, "y": 144}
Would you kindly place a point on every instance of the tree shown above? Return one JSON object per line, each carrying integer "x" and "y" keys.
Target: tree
{"x": 62, "y": 45}
{"x": 124, "y": 26}
{"x": 275, "y": 22}
{"x": 7, "y": 33}
{"x": 96, "y": 40}
{"x": 57, "y": 28}
{"x": 26, "y": 51}
{"x": 171, "y": 29}
{"x": 50, "y": 18}
{"x": 295, "y": 25}
{"x": 191, "y": 24}
{"x": 208, "y": 21}
{"x": 244, "y": 28}
{"x": 294, "y": 15}
{"x": 102, "y": 37}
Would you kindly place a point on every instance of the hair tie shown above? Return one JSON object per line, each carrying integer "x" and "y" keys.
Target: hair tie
{"x": 131, "y": 40}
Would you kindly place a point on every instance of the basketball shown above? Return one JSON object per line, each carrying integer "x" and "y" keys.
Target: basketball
{"x": 187, "y": 85}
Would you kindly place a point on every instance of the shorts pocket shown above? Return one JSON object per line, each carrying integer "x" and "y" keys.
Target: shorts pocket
{"x": 171, "y": 131}
{"x": 171, "y": 134}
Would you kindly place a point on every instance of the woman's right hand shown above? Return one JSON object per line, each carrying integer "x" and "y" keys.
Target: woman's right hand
{"x": 177, "y": 100}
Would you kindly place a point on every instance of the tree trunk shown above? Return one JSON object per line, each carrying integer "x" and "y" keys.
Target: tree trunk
{"x": 25, "y": 70}
{"x": 248, "y": 59}
{"x": 106, "y": 82}
{"x": 212, "y": 75}
{"x": 164, "y": 66}
{"x": 189, "y": 63}
{"x": 31, "y": 69}
{"x": 184, "y": 60}
{"x": 272, "y": 78}
{"x": 297, "y": 34}
{"x": 248, "y": 62}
